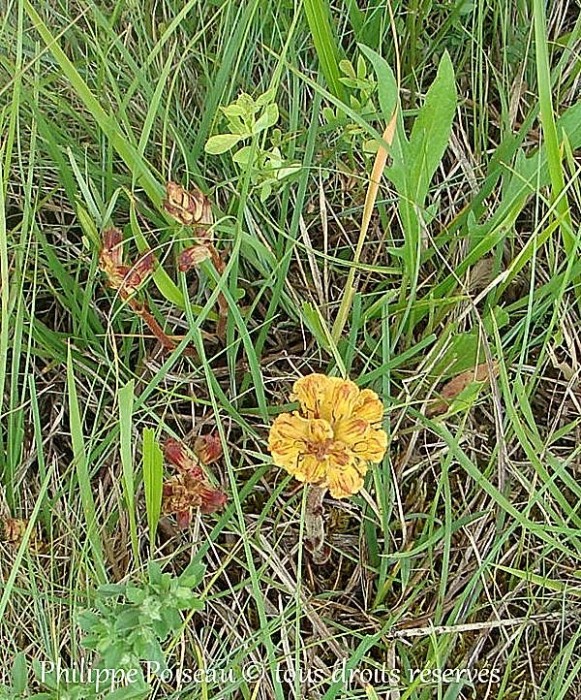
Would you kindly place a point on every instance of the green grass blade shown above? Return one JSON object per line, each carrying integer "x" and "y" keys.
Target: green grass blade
{"x": 554, "y": 158}
{"x": 81, "y": 464}
{"x": 5, "y": 322}
{"x": 319, "y": 19}
{"x": 125, "y": 398}
{"x": 152, "y": 481}
{"x": 107, "y": 122}
{"x": 9, "y": 585}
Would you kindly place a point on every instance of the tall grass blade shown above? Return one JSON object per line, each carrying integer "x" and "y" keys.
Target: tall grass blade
{"x": 153, "y": 482}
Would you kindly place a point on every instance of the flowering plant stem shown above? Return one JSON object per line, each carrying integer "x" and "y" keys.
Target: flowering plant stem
{"x": 222, "y": 303}
{"x": 169, "y": 343}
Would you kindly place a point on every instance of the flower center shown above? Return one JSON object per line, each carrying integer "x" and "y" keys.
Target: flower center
{"x": 320, "y": 449}
{"x": 329, "y": 447}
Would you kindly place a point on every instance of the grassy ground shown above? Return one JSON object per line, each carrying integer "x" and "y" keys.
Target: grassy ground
{"x": 463, "y": 552}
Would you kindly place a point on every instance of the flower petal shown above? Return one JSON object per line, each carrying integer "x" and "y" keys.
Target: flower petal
{"x": 288, "y": 439}
{"x": 112, "y": 242}
{"x": 289, "y": 427}
{"x": 312, "y": 469}
{"x": 212, "y": 499}
{"x": 312, "y": 394}
{"x": 208, "y": 448}
{"x": 351, "y": 431}
{"x": 319, "y": 431}
{"x": 138, "y": 273}
{"x": 193, "y": 256}
{"x": 189, "y": 208}
{"x": 344, "y": 481}
{"x": 177, "y": 453}
{"x": 343, "y": 399}
{"x": 368, "y": 407}
{"x": 372, "y": 447}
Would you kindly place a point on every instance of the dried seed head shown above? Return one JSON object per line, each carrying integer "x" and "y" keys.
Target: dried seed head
{"x": 12, "y": 530}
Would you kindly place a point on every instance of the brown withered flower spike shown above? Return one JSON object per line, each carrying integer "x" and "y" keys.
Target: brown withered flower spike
{"x": 189, "y": 489}
{"x": 184, "y": 493}
{"x": 208, "y": 448}
{"x": 193, "y": 209}
{"x": 189, "y": 208}
{"x": 177, "y": 454}
{"x": 193, "y": 256}
{"x": 125, "y": 278}
{"x": 12, "y": 531}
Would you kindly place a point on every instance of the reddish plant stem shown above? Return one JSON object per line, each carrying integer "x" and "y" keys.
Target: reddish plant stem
{"x": 167, "y": 342}
{"x": 222, "y": 303}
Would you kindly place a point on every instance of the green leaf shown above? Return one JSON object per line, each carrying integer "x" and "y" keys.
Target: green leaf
{"x": 135, "y": 594}
{"x": 239, "y": 127}
{"x": 19, "y": 674}
{"x": 544, "y": 581}
{"x": 329, "y": 115}
{"x": 244, "y": 156}
{"x": 88, "y": 226}
{"x": 265, "y": 191}
{"x": 431, "y": 131}
{"x": 266, "y": 98}
{"x": 319, "y": 19}
{"x": 192, "y": 575}
{"x": 125, "y": 399}
{"x": 153, "y": 481}
{"x": 267, "y": 119}
{"x": 129, "y": 693}
{"x": 81, "y": 463}
{"x": 221, "y": 143}
{"x": 87, "y": 620}
{"x": 234, "y": 110}
{"x": 465, "y": 399}
{"x": 346, "y": 67}
{"x": 154, "y": 572}
{"x": 361, "y": 68}
{"x": 111, "y": 589}
{"x": 287, "y": 171}
{"x": 387, "y": 84}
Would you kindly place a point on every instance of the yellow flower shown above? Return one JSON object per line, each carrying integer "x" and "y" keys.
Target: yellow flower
{"x": 334, "y": 436}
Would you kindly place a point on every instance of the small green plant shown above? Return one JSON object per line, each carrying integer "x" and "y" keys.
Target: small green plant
{"x": 246, "y": 119}
{"x": 126, "y": 627}
{"x": 361, "y": 89}
{"x": 130, "y": 622}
